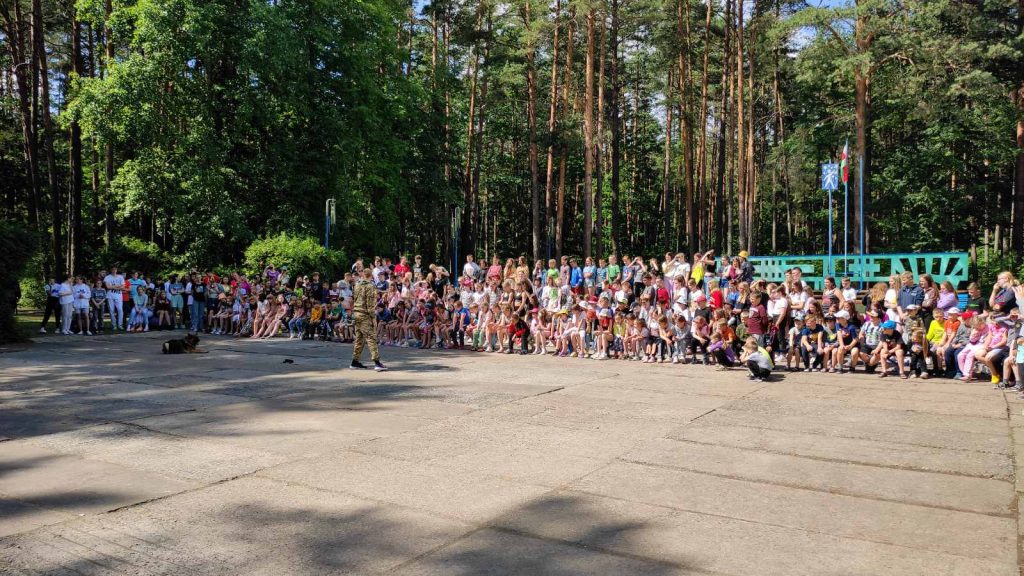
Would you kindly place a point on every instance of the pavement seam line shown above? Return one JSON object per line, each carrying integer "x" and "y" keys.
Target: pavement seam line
{"x": 81, "y": 530}
{"x": 813, "y": 489}
{"x": 609, "y": 552}
{"x": 834, "y": 460}
{"x": 775, "y": 525}
{"x": 186, "y": 491}
{"x": 853, "y": 437}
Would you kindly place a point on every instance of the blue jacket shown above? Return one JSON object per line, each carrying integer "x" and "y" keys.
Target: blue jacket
{"x": 575, "y": 277}
{"x": 910, "y": 295}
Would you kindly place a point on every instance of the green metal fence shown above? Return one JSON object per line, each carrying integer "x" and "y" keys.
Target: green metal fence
{"x": 868, "y": 269}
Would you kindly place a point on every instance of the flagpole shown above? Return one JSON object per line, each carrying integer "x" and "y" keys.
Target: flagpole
{"x": 846, "y": 210}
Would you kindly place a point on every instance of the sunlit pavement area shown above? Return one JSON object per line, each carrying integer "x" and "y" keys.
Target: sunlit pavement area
{"x": 115, "y": 459}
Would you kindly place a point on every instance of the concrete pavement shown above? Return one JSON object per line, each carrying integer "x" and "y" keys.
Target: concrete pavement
{"x": 115, "y": 459}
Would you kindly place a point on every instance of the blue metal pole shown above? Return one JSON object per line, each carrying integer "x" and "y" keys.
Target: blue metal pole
{"x": 455, "y": 246}
{"x": 828, "y": 272}
{"x": 860, "y": 182}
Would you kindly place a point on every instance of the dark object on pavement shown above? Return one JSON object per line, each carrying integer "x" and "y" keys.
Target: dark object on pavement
{"x": 187, "y": 345}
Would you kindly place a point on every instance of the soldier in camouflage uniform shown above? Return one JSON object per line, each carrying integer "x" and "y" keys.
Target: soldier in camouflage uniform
{"x": 364, "y": 302}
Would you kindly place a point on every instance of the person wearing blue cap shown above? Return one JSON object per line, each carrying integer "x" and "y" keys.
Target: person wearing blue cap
{"x": 892, "y": 346}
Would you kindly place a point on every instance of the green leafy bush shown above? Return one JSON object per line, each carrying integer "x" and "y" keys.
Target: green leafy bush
{"x": 131, "y": 254}
{"x": 17, "y": 244}
{"x": 301, "y": 254}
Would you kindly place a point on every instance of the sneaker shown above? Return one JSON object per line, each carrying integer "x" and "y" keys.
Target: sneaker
{"x": 378, "y": 367}
{"x": 42, "y": 330}
{"x": 357, "y": 365}
{"x": 88, "y": 333}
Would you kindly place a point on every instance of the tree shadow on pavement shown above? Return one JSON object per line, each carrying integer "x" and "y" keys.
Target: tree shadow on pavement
{"x": 278, "y": 530}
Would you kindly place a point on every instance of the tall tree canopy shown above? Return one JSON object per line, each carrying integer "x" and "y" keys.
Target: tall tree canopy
{"x": 566, "y": 126}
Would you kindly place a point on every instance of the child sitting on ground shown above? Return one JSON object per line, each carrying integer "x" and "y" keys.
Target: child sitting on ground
{"x": 757, "y": 360}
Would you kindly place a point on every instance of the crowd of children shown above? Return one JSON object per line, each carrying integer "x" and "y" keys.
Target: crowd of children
{"x": 678, "y": 310}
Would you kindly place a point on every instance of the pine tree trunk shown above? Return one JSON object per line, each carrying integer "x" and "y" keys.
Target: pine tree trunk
{"x": 469, "y": 190}
{"x": 552, "y": 113}
{"x": 75, "y": 161}
{"x": 15, "y": 29}
{"x": 723, "y": 125}
{"x": 531, "y": 115}
{"x": 1018, "y": 180}
{"x": 751, "y": 187}
{"x": 472, "y": 213}
{"x": 108, "y": 153}
{"x": 685, "y": 129}
{"x": 598, "y": 156}
{"x": 560, "y": 218}
{"x": 862, "y": 126}
{"x": 702, "y": 153}
{"x": 56, "y": 200}
{"x": 616, "y": 121}
{"x": 741, "y": 147}
{"x": 664, "y": 204}
{"x": 588, "y": 139}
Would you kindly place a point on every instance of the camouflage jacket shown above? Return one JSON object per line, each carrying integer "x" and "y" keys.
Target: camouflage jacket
{"x": 364, "y": 298}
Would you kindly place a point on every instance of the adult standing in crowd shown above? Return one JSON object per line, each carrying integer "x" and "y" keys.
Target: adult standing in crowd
{"x": 114, "y": 283}
{"x": 364, "y": 303}
{"x": 52, "y": 289}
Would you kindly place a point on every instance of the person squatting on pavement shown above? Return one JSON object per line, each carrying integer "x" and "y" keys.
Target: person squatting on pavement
{"x": 364, "y": 304}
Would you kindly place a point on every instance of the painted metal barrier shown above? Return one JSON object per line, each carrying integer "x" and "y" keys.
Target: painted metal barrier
{"x": 867, "y": 269}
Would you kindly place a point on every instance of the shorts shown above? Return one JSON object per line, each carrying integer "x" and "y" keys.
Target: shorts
{"x": 616, "y": 345}
{"x": 177, "y": 301}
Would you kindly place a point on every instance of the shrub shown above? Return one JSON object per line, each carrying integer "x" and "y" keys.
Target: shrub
{"x": 17, "y": 244}
{"x": 301, "y": 254}
{"x": 131, "y": 254}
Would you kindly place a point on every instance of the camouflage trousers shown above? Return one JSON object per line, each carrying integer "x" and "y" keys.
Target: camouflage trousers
{"x": 366, "y": 333}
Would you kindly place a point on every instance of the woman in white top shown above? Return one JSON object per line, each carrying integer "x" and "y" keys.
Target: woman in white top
{"x": 82, "y": 295}
{"x": 681, "y": 295}
{"x": 893, "y": 293}
{"x": 797, "y": 300}
{"x": 67, "y": 299}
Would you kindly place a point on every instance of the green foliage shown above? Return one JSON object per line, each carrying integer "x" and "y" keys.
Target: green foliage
{"x": 32, "y": 294}
{"x": 301, "y": 254}
{"x": 985, "y": 271}
{"x": 234, "y": 120}
{"x": 131, "y": 254}
{"x": 17, "y": 244}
